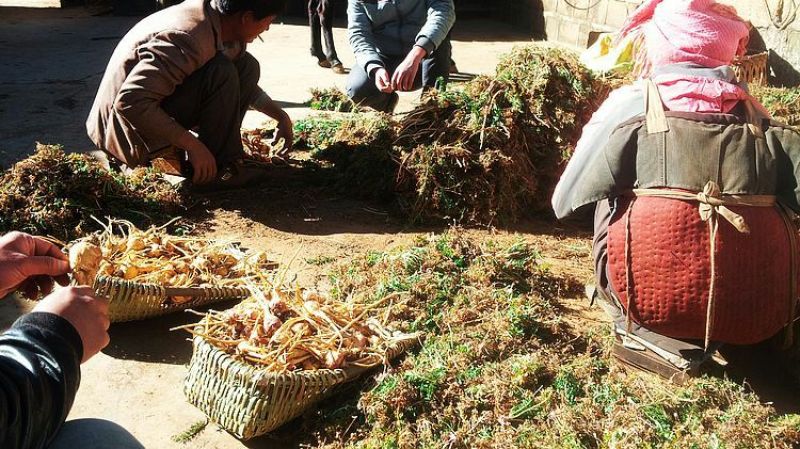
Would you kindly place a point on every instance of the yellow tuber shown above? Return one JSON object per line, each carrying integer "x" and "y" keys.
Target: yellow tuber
{"x": 85, "y": 258}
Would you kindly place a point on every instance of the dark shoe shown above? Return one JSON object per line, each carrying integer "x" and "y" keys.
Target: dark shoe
{"x": 453, "y": 67}
{"x": 324, "y": 63}
{"x": 641, "y": 358}
{"x": 235, "y": 176}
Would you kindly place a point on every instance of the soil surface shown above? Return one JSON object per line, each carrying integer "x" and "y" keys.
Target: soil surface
{"x": 137, "y": 380}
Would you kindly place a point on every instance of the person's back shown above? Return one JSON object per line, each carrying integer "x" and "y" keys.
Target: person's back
{"x": 178, "y": 86}
{"x": 674, "y": 193}
{"x": 188, "y": 23}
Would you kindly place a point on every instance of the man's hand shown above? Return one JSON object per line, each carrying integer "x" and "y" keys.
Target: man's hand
{"x": 30, "y": 263}
{"x": 382, "y": 81}
{"x": 406, "y": 73}
{"x": 203, "y": 162}
{"x": 284, "y": 131}
{"x": 87, "y": 314}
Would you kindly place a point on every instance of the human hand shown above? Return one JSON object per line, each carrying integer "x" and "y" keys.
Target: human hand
{"x": 403, "y": 78}
{"x": 30, "y": 264}
{"x": 382, "y": 80}
{"x": 85, "y": 312}
{"x": 284, "y": 131}
{"x": 203, "y": 162}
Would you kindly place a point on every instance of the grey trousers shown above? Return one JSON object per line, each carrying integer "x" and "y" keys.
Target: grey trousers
{"x": 213, "y": 100}
{"x": 361, "y": 87}
{"x": 93, "y": 434}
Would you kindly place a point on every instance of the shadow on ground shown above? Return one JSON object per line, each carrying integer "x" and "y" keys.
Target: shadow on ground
{"x": 768, "y": 372}
{"x": 152, "y": 341}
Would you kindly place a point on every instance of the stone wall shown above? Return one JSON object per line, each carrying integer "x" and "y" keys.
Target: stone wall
{"x": 576, "y": 23}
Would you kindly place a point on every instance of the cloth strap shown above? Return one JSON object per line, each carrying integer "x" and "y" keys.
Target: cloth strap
{"x": 712, "y": 205}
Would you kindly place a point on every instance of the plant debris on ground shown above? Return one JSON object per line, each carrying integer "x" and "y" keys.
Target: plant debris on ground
{"x": 56, "y": 194}
{"x": 500, "y": 367}
{"x": 488, "y": 151}
{"x": 782, "y": 102}
{"x": 332, "y": 99}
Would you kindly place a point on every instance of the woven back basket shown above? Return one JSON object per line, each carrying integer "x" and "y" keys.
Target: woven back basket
{"x": 129, "y": 301}
{"x": 249, "y": 402}
{"x": 751, "y": 69}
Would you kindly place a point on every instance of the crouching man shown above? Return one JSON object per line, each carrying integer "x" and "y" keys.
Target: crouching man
{"x": 181, "y": 81}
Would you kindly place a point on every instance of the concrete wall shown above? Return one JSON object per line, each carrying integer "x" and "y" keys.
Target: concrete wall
{"x": 575, "y": 22}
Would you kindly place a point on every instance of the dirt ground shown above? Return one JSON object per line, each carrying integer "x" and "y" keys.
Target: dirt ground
{"x": 137, "y": 381}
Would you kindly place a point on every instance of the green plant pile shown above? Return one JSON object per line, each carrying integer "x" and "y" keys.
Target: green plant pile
{"x": 359, "y": 150}
{"x": 782, "y": 102}
{"x": 490, "y": 150}
{"x": 501, "y": 367}
{"x": 495, "y": 149}
{"x": 56, "y": 194}
{"x": 332, "y": 99}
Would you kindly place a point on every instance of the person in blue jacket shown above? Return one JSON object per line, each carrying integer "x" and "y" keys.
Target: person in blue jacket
{"x": 399, "y": 45}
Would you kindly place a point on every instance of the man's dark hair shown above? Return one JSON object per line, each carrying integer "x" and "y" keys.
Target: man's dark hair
{"x": 259, "y": 8}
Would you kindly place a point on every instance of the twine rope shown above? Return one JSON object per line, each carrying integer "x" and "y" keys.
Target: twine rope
{"x": 712, "y": 205}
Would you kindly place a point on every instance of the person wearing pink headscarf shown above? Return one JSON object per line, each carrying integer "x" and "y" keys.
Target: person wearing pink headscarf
{"x": 685, "y": 47}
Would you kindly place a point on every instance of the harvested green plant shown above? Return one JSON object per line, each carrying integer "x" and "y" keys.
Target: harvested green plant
{"x": 332, "y": 99}
{"x": 502, "y": 366}
{"x": 54, "y": 193}
{"x": 495, "y": 149}
{"x": 782, "y": 102}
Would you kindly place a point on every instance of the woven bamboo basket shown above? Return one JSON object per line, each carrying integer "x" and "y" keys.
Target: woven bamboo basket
{"x": 752, "y": 69}
{"x": 249, "y": 402}
{"x": 129, "y": 301}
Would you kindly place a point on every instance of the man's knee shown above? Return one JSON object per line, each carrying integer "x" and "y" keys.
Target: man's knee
{"x": 249, "y": 70}
{"x": 360, "y": 87}
{"x": 221, "y": 71}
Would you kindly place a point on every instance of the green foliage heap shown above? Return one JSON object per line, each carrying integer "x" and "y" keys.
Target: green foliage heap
{"x": 333, "y": 100}
{"x": 56, "y": 194}
{"x": 502, "y": 367}
{"x": 489, "y": 151}
{"x": 782, "y": 102}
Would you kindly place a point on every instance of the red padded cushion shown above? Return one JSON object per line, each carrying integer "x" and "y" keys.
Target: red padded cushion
{"x": 671, "y": 270}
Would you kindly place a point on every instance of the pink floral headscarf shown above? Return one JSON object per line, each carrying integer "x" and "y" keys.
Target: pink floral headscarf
{"x": 703, "y": 32}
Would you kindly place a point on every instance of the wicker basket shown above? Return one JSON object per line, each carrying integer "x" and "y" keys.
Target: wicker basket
{"x": 249, "y": 402}
{"x": 752, "y": 69}
{"x": 129, "y": 301}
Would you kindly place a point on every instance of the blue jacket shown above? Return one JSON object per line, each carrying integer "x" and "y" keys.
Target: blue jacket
{"x": 392, "y": 27}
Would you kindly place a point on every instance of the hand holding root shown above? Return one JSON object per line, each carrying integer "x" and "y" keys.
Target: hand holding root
{"x": 30, "y": 264}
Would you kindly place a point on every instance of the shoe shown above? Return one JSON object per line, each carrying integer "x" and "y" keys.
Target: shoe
{"x": 169, "y": 160}
{"x": 453, "y": 67}
{"x": 646, "y": 360}
{"x": 235, "y": 176}
{"x": 324, "y": 63}
{"x": 338, "y": 68}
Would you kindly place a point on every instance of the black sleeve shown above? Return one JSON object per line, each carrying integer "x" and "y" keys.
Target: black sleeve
{"x": 39, "y": 375}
